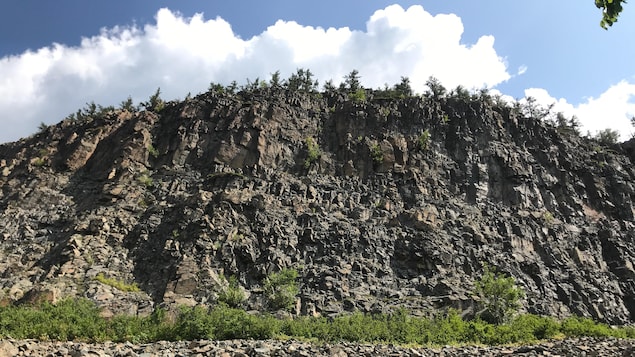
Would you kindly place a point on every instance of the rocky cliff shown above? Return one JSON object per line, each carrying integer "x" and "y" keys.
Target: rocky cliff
{"x": 376, "y": 202}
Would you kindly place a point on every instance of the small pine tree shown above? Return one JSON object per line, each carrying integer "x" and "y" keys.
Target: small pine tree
{"x": 251, "y": 86}
{"x": 232, "y": 87}
{"x": 351, "y": 81}
{"x": 155, "y": 103}
{"x": 127, "y": 104}
{"x": 461, "y": 93}
{"x": 274, "y": 82}
{"x": 435, "y": 88}
{"x": 91, "y": 109}
{"x": 216, "y": 88}
{"x": 42, "y": 127}
{"x": 403, "y": 89}
{"x": 329, "y": 86}
{"x": 302, "y": 80}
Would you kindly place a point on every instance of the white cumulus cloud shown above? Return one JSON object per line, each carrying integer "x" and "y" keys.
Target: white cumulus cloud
{"x": 612, "y": 109}
{"x": 183, "y": 55}
{"x": 522, "y": 70}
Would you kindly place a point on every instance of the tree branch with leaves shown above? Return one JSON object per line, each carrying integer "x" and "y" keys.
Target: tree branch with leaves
{"x": 611, "y": 10}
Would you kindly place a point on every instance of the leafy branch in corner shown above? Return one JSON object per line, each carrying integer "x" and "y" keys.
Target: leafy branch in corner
{"x": 611, "y": 10}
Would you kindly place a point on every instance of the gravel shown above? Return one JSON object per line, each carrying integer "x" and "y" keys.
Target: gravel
{"x": 236, "y": 348}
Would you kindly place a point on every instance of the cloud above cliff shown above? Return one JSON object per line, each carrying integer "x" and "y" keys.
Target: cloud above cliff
{"x": 612, "y": 109}
{"x": 184, "y": 54}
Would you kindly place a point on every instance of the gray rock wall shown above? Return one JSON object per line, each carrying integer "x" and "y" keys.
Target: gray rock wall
{"x": 223, "y": 185}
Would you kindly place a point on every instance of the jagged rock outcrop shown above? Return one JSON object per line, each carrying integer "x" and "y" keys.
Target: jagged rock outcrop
{"x": 384, "y": 216}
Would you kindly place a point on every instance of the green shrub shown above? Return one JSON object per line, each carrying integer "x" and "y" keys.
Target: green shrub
{"x": 535, "y": 327}
{"x": 499, "y": 297}
{"x": 155, "y": 103}
{"x": 42, "y": 127}
{"x": 524, "y": 328}
{"x": 281, "y": 288}
{"x": 138, "y": 329}
{"x": 607, "y": 137}
{"x": 127, "y": 105}
{"x": 424, "y": 141}
{"x": 69, "y": 319}
{"x": 79, "y": 319}
{"x": 583, "y": 326}
{"x": 356, "y": 327}
{"x": 547, "y": 217}
{"x": 238, "y": 324}
{"x": 358, "y": 96}
{"x": 449, "y": 328}
{"x": 399, "y": 326}
{"x": 232, "y": 295}
{"x": 146, "y": 180}
{"x": 313, "y": 152}
{"x": 307, "y": 328}
{"x": 376, "y": 154}
{"x": 153, "y": 151}
{"x": 194, "y": 323}
{"x": 220, "y": 323}
{"x": 39, "y": 162}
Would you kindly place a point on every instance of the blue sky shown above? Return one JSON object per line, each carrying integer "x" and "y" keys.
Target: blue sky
{"x": 57, "y": 55}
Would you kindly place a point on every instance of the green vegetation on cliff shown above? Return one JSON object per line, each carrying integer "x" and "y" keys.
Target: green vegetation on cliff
{"x": 80, "y": 320}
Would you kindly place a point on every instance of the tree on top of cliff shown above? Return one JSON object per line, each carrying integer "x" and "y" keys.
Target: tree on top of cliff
{"x": 403, "y": 88}
{"x": 435, "y": 88}
{"x": 302, "y": 80}
{"x": 351, "y": 81}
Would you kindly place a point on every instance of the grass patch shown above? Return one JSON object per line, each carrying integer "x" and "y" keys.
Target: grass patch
{"x": 146, "y": 180}
{"x": 117, "y": 284}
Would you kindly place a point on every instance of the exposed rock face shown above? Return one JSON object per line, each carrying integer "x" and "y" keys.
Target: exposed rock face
{"x": 224, "y": 184}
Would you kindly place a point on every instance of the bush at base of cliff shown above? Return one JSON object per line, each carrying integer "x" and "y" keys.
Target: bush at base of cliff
{"x": 232, "y": 295}
{"x": 80, "y": 320}
{"x": 281, "y": 289}
{"x": 499, "y": 297}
